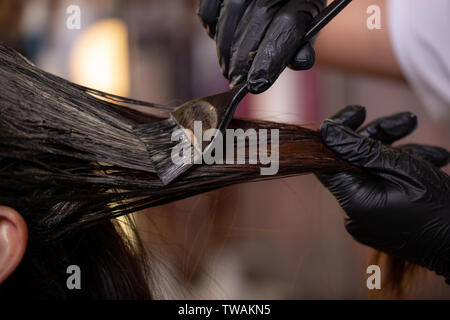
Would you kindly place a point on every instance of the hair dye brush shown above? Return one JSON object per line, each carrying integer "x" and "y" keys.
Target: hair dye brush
{"x": 214, "y": 112}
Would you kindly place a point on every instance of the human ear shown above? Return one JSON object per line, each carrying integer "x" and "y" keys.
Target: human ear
{"x": 13, "y": 241}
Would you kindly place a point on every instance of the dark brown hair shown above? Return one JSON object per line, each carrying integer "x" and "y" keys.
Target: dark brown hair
{"x": 70, "y": 163}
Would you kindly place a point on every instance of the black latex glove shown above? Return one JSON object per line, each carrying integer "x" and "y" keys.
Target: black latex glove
{"x": 257, "y": 39}
{"x": 399, "y": 202}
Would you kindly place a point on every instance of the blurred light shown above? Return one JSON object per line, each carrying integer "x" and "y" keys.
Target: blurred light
{"x": 100, "y": 58}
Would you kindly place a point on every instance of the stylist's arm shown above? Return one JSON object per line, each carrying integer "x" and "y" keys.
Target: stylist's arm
{"x": 256, "y": 40}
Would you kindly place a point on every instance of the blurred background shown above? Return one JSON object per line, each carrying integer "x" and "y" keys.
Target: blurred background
{"x": 280, "y": 239}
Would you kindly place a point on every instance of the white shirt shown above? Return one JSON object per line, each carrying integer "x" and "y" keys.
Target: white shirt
{"x": 420, "y": 36}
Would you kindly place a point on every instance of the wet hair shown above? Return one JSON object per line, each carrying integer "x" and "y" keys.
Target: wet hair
{"x": 71, "y": 162}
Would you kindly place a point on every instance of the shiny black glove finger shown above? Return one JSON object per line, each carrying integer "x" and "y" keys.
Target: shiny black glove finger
{"x": 208, "y": 12}
{"x": 365, "y": 152}
{"x": 282, "y": 41}
{"x": 391, "y": 128}
{"x": 304, "y": 59}
{"x": 437, "y": 156}
{"x": 395, "y": 127}
{"x": 386, "y": 130}
{"x": 350, "y": 116}
{"x": 227, "y": 23}
{"x": 365, "y": 148}
{"x": 248, "y": 35}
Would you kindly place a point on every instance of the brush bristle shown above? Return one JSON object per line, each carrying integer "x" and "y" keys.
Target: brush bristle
{"x": 157, "y": 137}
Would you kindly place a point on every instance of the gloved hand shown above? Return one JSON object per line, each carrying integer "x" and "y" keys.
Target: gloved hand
{"x": 257, "y": 39}
{"x": 399, "y": 201}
